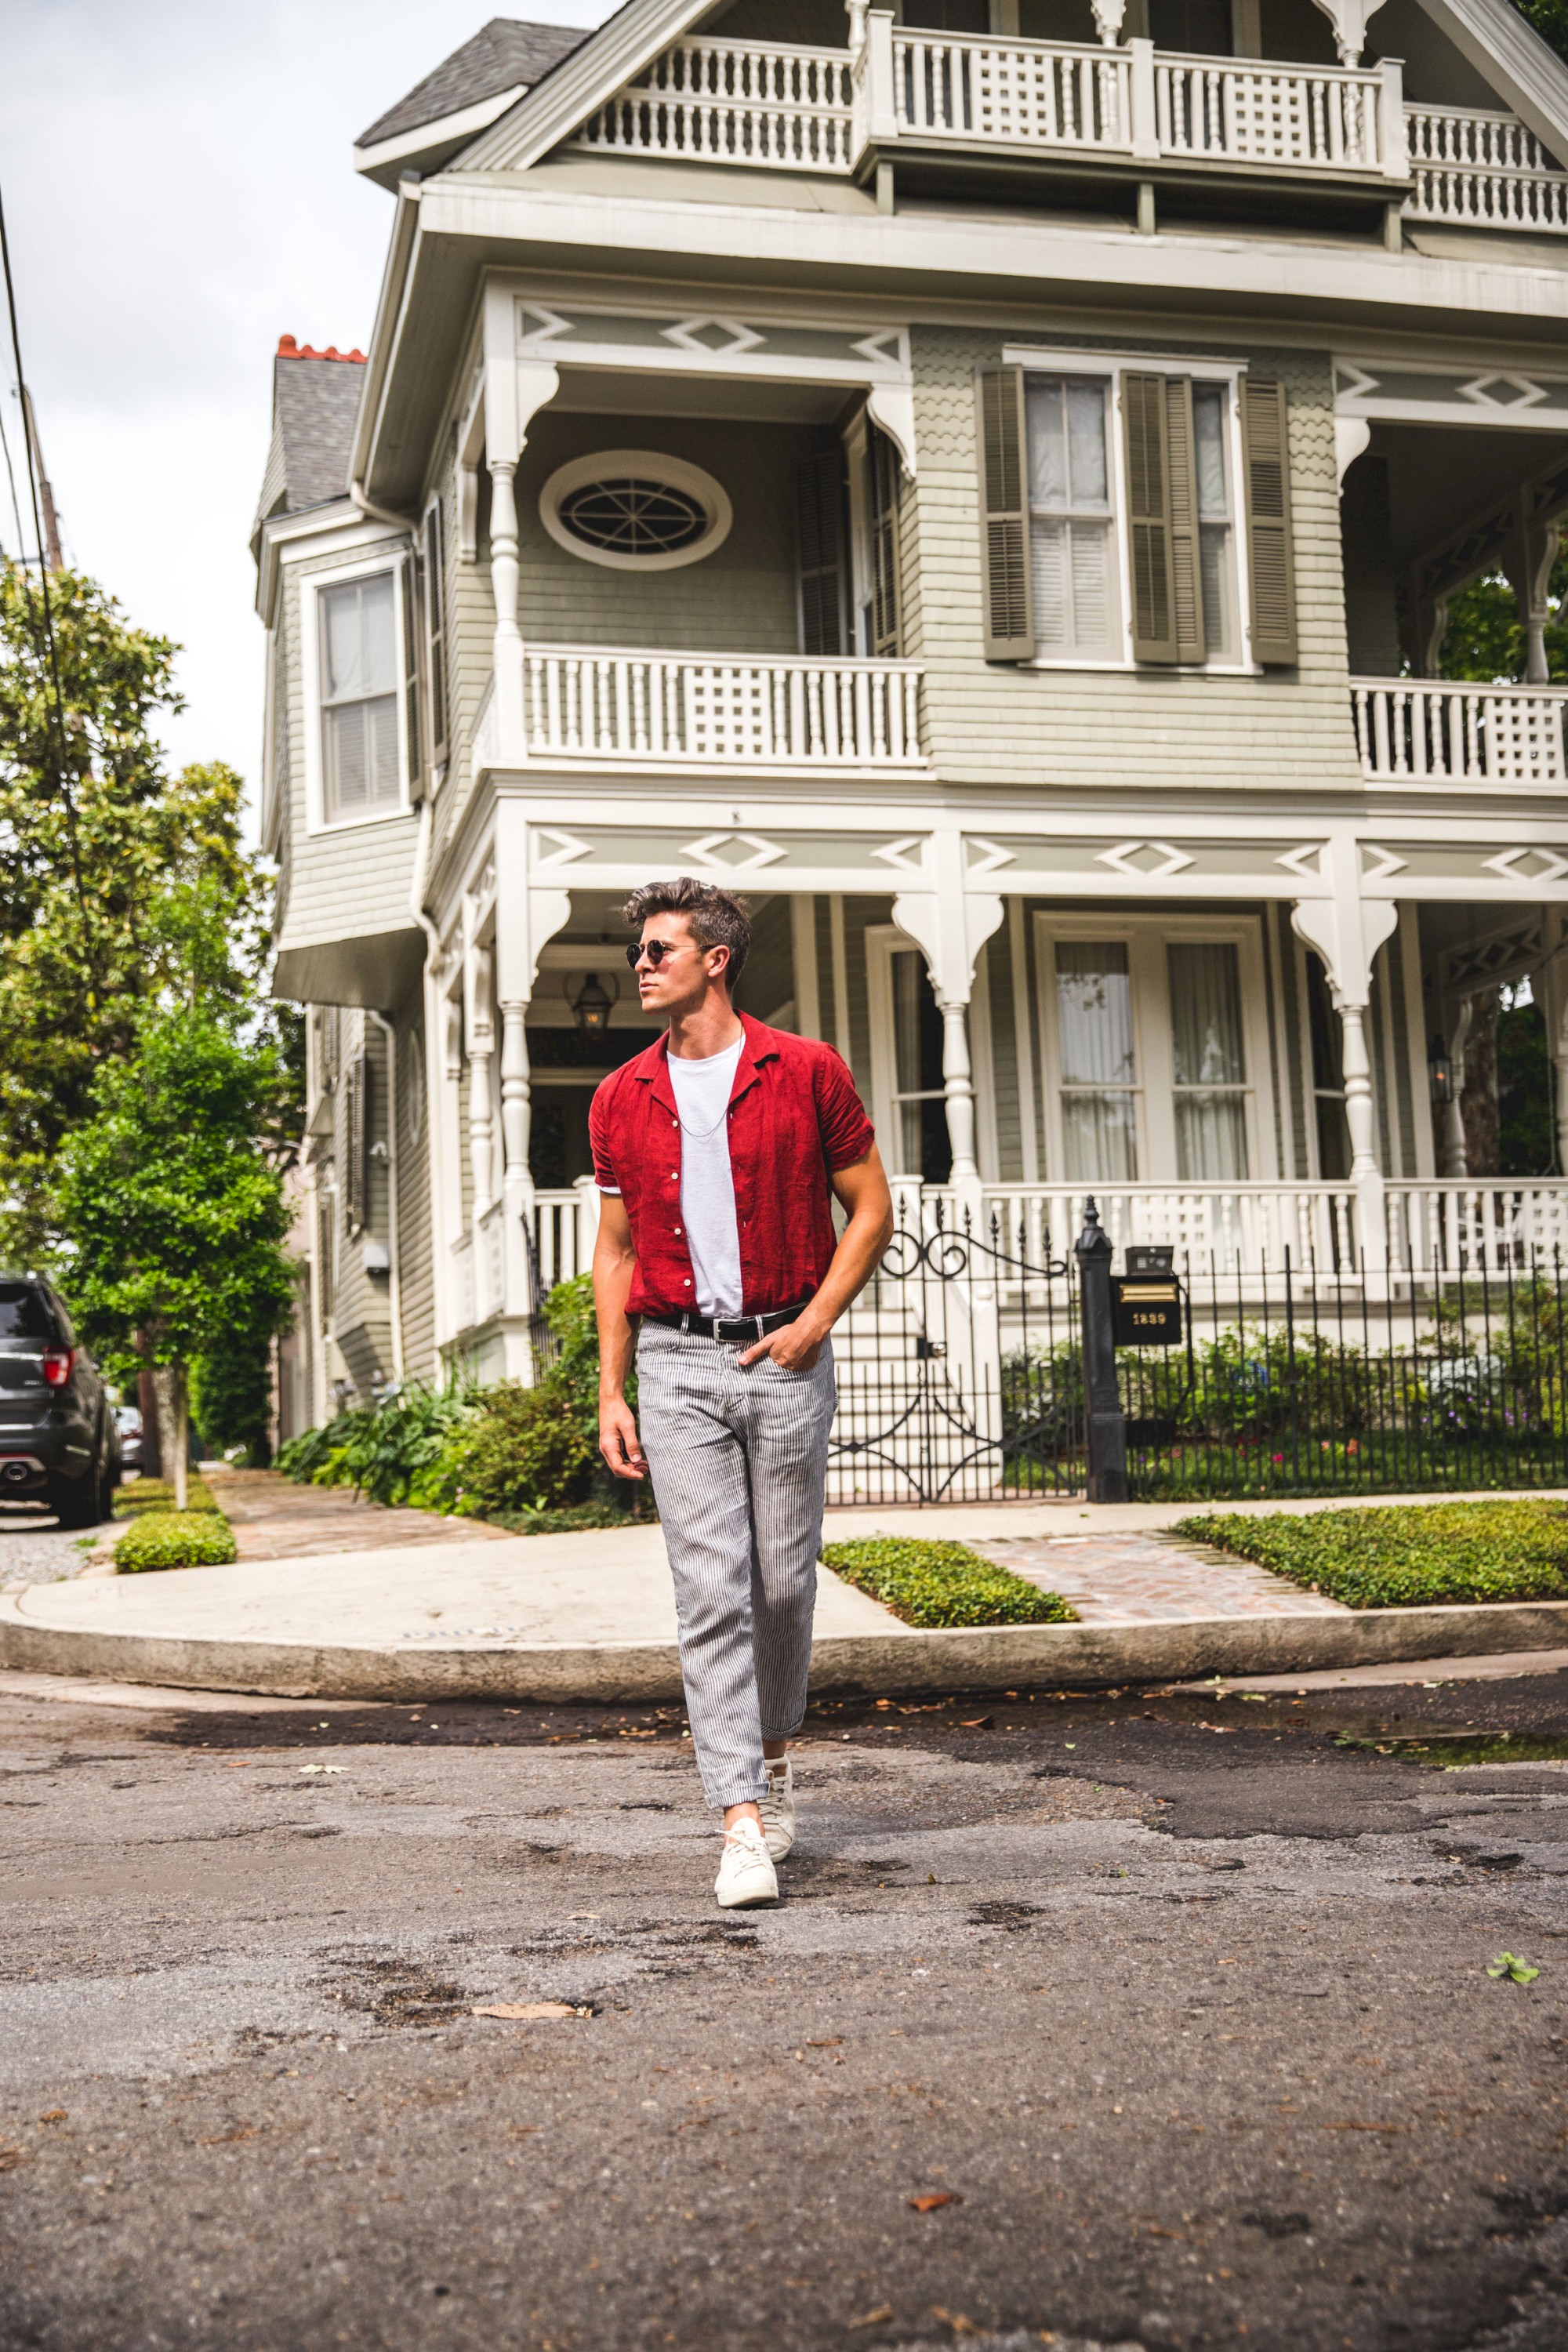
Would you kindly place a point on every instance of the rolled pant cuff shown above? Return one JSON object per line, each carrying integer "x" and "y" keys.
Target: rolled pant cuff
{"x": 719, "y": 1801}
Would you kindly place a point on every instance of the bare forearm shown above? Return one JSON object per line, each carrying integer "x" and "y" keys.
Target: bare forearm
{"x": 854, "y": 1261}
{"x": 614, "y": 1267}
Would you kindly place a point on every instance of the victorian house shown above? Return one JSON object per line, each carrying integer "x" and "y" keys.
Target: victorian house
{"x": 985, "y": 478}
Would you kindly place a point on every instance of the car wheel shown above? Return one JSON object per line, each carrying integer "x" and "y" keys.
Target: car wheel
{"x": 75, "y": 1501}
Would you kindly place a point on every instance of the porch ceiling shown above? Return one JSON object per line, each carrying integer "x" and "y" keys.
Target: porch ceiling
{"x": 1440, "y": 477}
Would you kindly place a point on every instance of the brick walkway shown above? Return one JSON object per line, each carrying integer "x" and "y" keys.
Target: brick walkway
{"x": 1128, "y": 1580}
{"x": 274, "y": 1519}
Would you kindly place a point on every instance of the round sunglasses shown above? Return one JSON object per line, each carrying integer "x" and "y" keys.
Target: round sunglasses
{"x": 655, "y": 950}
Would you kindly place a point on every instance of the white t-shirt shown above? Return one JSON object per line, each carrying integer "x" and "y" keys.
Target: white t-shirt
{"x": 702, "y": 1091}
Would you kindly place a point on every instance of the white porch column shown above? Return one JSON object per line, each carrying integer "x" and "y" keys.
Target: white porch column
{"x": 1347, "y": 930}
{"x": 958, "y": 1088}
{"x": 514, "y": 1094}
{"x": 525, "y": 919}
{"x": 1456, "y": 1151}
{"x": 1529, "y": 565}
{"x": 516, "y": 387}
{"x": 481, "y": 1048}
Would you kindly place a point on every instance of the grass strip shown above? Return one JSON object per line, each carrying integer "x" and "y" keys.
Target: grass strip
{"x": 930, "y": 1584}
{"x": 201, "y": 1539}
{"x": 1409, "y": 1556}
{"x": 139, "y": 1496}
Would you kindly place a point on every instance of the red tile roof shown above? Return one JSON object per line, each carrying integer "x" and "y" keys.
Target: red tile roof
{"x": 288, "y": 348}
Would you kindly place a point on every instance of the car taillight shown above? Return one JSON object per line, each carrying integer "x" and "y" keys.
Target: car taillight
{"x": 58, "y": 1362}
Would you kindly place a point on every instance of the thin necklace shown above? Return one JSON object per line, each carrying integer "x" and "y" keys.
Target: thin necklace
{"x": 702, "y": 1134}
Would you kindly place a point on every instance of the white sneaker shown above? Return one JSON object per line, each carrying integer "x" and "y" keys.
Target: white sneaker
{"x": 745, "y": 1869}
{"x": 777, "y": 1807}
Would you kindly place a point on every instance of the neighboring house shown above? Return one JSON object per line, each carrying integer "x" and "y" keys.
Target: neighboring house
{"x": 986, "y": 480}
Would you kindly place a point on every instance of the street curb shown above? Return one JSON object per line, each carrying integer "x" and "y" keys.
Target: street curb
{"x": 1184, "y": 1649}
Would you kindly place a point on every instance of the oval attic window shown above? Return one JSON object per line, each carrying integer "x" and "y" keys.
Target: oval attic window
{"x": 634, "y": 510}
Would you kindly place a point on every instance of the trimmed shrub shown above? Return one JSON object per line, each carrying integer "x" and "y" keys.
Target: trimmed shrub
{"x": 1406, "y": 1557}
{"x": 140, "y": 1495}
{"x": 176, "y": 1540}
{"x": 926, "y": 1582}
{"x": 523, "y": 1450}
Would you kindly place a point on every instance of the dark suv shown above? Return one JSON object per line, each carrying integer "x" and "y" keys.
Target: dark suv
{"x": 60, "y": 1442}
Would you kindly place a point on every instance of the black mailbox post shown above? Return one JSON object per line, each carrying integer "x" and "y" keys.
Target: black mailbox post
{"x": 1146, "y": 1310}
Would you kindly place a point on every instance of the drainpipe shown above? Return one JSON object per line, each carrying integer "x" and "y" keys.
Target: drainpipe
{"x": 395, "y": 1250}
{"x": 380, "y": 514}
{"x": 416, "y": 888}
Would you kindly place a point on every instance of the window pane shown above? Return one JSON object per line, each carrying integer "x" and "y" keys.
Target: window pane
{"x": 1217, "y": 576}
{"x": 1214, "y": 477}
{"x": 1075, "y": 600}
{"x": 1086, "y": 443}
{"x": 1047, "y": 442}
{"x": 1211, "y": 1138}
{"x": 358, "y": 753}
{"x": 358, "y": 653}
{"x": 1097, "y": 1140}
{"x": 1206, "y": 1016}
{"x": 1094, "y": 1011}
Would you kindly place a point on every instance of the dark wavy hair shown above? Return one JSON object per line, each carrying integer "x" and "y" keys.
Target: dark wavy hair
{"x": 718, "y": 918}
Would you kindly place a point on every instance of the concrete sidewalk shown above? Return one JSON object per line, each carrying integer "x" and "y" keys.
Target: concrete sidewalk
{"x": 590, "y": 1616}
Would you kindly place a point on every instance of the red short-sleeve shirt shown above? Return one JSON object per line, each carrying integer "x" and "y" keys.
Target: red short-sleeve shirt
{"x": 795, "y": 1117}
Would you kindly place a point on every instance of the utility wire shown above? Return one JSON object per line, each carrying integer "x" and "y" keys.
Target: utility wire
{"x": 62, "y": 753}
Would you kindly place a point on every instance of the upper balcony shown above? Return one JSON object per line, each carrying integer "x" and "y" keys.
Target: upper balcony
{"x": 918, "y": 99}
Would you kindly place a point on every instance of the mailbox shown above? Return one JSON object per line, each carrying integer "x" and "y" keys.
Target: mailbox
{"x": 1151, "y": 1257}
{"x": 1146, "y": 1310}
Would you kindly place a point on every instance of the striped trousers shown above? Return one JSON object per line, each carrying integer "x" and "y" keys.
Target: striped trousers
{"x": 738, "y": 1457}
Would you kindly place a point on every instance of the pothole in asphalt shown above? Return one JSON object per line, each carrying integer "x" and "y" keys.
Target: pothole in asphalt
{"x": 398, "y": 1992}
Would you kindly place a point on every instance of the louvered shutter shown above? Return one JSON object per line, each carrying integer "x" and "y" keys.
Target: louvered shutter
{"x": 1271, "y": 564}
{"x": 410, "y": 589}
{"x": 1149, "y": 518}
{"x": 356, "y": 1121}
{"x": 885, "y": 628}
{"x": 1186, "y": 577}
{"x": 1004, "y": 514}
{"x": 819, "y": 530}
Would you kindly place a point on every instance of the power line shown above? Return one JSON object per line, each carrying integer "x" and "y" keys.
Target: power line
{"x": 62, "y": 751}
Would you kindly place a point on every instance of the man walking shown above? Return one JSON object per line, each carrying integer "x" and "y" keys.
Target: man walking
{"x": 715, "y": 1152}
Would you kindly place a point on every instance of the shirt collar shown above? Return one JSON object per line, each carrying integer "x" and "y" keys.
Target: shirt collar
{"x": 758, "y": 1046}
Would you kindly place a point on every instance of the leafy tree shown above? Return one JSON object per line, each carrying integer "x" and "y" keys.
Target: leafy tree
{"x": 120, "y": 887}
{"x": 1484, "y": 637}
{"x": 175, "y": 1214}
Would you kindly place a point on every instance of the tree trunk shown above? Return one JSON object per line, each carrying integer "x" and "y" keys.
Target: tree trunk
{"x": 1479, "y": 1102}
{"x": 181, "y": 1437}
{"x": 168, "y": 1380}
{"x": 151, "y": 1435}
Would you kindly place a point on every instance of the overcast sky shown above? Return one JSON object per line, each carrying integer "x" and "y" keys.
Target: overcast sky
{"x": 179, "y": 192}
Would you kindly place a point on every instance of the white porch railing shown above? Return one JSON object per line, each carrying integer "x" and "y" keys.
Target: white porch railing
{"x": 779, "y": 106}
{"x": 1016, "y": 93}
{"x": 598, "y": 702}
{"x": 463, "y": 1297}
{"x": 562, "y": 1236}
{"x": 1452, "y": 1228}
{"x": 1430, "y": 728}
{"x": 1484, "y": 171}
{"x": 734, "y": 102}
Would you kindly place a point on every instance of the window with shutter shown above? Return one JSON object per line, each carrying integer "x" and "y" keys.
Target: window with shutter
{"x": 1005, "y": 523}
{"x": 356, "y": 1119}
{"x": 1147, "y": 440}
{"x": 359, "y": 687}
{"x": 435, "y": 627}
{"x": 411, "y": 671}
{"x": 1270, "y": 557}
{"x": 886, "y": 600}
{"x": 819, "y": 511}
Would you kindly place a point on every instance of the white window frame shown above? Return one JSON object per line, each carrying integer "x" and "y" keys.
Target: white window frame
{"x": 1146, "y": 937}
{"x": 883, "y": 942}
{"x": 311, "y": 586}
{"x": 1115, "y": 364}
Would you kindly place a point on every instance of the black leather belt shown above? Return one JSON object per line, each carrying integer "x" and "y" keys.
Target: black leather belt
{"x": 743, "y": 1328}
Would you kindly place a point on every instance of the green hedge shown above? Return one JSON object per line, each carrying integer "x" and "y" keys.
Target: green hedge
{"x": 139, "y": 1496}
{"x": 200, "y": 1538}
{"x": 931, "y": 1583}
{"x": 1406, "y": 1556}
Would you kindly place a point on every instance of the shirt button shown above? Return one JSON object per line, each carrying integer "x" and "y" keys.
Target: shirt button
{"x": 687, "y": 1278}
{"x": 675, "y": 1229}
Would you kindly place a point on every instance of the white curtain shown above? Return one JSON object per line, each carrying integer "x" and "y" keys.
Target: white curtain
{"x": 1094, "y": 1019}
{"x": 1209, "y": 1064}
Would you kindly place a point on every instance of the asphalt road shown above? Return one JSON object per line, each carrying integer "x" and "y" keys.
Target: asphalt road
{"x": 1171, "y": 2013}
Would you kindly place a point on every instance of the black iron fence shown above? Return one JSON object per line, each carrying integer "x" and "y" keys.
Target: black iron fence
{"x": 962, "y": 1378}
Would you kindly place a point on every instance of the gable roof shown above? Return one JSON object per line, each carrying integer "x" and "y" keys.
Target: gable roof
{"x": 467, "y": 91}
{"x": 315, "y": 401}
